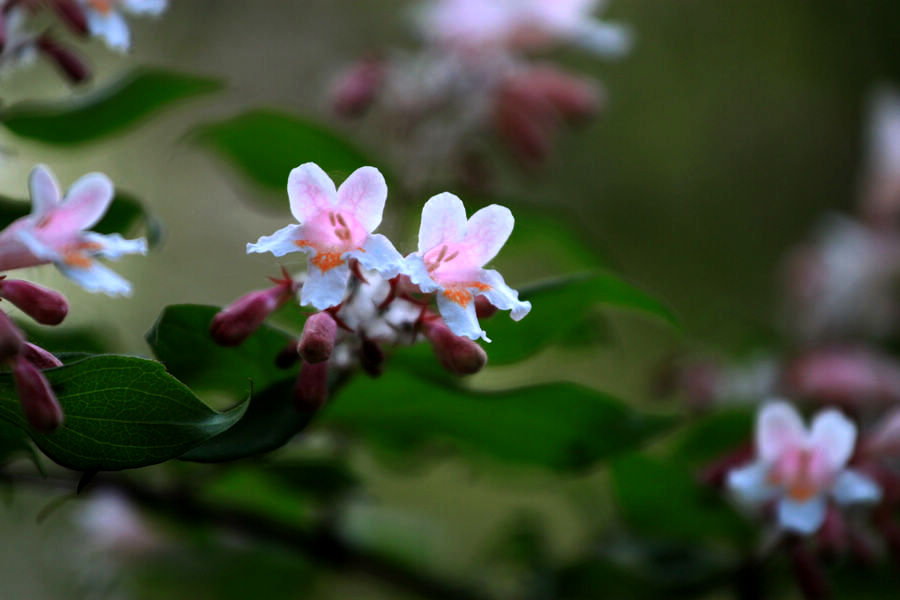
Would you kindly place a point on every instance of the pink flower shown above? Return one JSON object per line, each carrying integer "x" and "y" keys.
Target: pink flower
{"x": 335, "y": 226}
{"x": 800, "y": 468}
{"x": 105, "y": 19}
{"x": 452, "y": 252}
{"x": 55, "y": 233}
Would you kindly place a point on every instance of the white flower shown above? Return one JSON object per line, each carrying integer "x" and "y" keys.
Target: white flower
{"x": 105, "y": 18}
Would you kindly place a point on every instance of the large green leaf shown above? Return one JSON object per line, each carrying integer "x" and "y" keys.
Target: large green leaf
{"x": 121, "y": 412}
{"x": 560, "y": 305}
{"x": 266, "y": 144}
{"x": 559, "y": 425}
{"x": 106, "y": 111}
{"x": 180, "y": 339}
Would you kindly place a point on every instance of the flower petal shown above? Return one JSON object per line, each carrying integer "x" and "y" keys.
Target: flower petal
{"x": 778, "y": 428}
{"x": 852, "y": 486}
{"x": 310, "y": 191}
{"x": 486, "y": 232}
{"x": 461, "y": 320}
{"x": 419, "y": 275}
{"x": 750, "y": 484}
{"x": 112, "y": 27}
{"x": 279, "y": 243}
{"x": 36, "y": 247}
{"x": 443, "y": 221}
{"x": 114, "y": 246}
{"x": 605, "y": 39}
{"x": 44, "y": 188}
{"x": 504, "y": 297}
{"x": 363, "y": 195}
{"x": 802, "y": 517}
{"x": 145, "y": 7}
{"x": 833, "y": 436}
{"x": 97, "y": 278}
{"x": 324, "y": 289}
{"x": 84, "y": 205}
{"x": 379, "y": 254}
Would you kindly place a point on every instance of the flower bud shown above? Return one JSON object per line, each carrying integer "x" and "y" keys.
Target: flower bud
{"x": 457, "y": 354}
{"x": 11, "y": 338}
{"x": 66, "y": 60}
{"x": 46, "y": 306}
{"x": 483, "y": 308}
{"x": 311, "y": 389}
{"x": 42, "y": 410}
{"x": 355, "y": 90}
{"x": 573, "y": 98}
{"x": 884, "y": 441}
{"x": 317, "y": 340}
{"x": 39, "y": 357}
{"x": 237, "y": 321}
{"x": 72, "y": 15}
{"x": 371, "y": 357}
{"x": 848, "y": 377}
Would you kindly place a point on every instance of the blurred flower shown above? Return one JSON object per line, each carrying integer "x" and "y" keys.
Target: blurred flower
{"x": 799, "y": 468}
{"x": 17, "y": 47}
{"x": 55, "y": 233}
{"x": 881, "y": 193}
{"x": 335, "y": 227}
{"x": 106, "y": 20}
{"x": 452, "y": 252}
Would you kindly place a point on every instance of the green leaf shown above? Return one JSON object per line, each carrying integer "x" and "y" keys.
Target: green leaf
{"x": 106, "y": 111}
{"x": 264, "y": 145}
{"x": 663, "y": 498}
{"x": 558, "y": 306}
{"x": 715, "y": 434}
{"x": 180, "y": 339}
{"x": 561, "y": 425}
{"x": 13, "y": 441}
{"x": 121, "y": 412}
{"x": 323, "y": 479}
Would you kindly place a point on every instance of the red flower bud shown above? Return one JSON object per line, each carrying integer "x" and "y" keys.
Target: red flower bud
{"x": 355, "y": 90}
{"x": 849, "y": 377}
{"x": 41, "y": 408}
{"x": 66, "y": 60}
{"x": 39, "y": 357}
{"x": 311, "y": 389}
{"x": 483, "y": 308}
{"x": 457, "y": 354}
{"x": 72, "y": 15}
{"x": 46, "y": 306}
{"x": 237, "y": 321}
{"x": 317, "y": 340}
{"x": 11, "y": 338}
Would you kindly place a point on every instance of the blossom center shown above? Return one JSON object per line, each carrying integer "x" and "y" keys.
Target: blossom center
{"x": 102, "y": 6}
{"x": 77, "y": 254}
{"x": 800, "y": 473}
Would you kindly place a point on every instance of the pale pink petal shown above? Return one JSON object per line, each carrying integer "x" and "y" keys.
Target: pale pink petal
{"x": 504, "y": 297}
{"x": 378, "y": 254}
{"x": 97, "y": 278}
{"x": 419, "y": 275}
{"x": 145, "y": 7}
{"x": 486, "y": 232}
{"x": 84, "y": 205}
{"x": 802, "y": 517}
{"x": 283, "y": 241}
{"x": 461, "y": 319}
{"x": 112, "y": 27}
{"x": 324, "y": 289}
{"x": 443, "y": 221}
{"x": 363, "y": 195}
{"x": 310, "y": 191}
{"x": 833, "y": 437}
{"x": 851, "y": 487}
{"x": 750, "y": 484}
{"x": 45, "y": 194}
{"x": 779, "y": 429}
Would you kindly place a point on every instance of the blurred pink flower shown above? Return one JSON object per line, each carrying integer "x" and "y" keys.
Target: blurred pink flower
{"x": 799, "y": 468}
{"x": 452, "y": 252}
{"x": 55, "y": 233}
{"x": 335, "y": 226}
{"x": 105, "y": 19}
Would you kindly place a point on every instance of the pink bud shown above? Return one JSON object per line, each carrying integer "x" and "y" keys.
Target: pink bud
{"x": 41, "y": 408}
{"x": 46, "y": 306}
{"x": 237, "y": 321}
{"x": 355, "y": 90}
{"x": 457, "y": 354}
{"x": 11, "y": 338}
{"x": 39, "y": 357}
{"x": 371, "y": 357}
{"x": 573, "y": 98}
{"x": 72, "y": 15}
{"x": 311, "y": 389}
{"x": 848, "y": 377}
{"x": 66, "y": 60}
{"x": 884, "y": 441}
{"x": 317, "y": 340}
{"x": 524, "y": 121}
{"x": 483, "y": 308}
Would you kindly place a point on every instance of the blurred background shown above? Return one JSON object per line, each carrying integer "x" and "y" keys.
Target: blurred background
{"x": 730, "y": 129}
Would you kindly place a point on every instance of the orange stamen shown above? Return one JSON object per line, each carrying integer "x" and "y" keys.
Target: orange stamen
{"x": 327, "y": 260}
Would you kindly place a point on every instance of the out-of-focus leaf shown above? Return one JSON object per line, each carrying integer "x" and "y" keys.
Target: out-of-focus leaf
{"x": 714, "y": 435}
{"x": 250, "y": 489}
{"x": 557, "y": 307}
{"x": 121, "y": 412}
{"x": 561, "y": 426}
{"x": 13, "y": 441}
{"x": 264, "y": 145}
{"x": 180, "y": 339}
{"x": 106, "y": 111}
{"x": 663, "y": 499}
{"x": 66, "y": 340}
{"x": 322, "y": 479}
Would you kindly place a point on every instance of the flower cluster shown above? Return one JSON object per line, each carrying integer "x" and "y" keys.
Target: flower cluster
{"x": 369, "y": 295}
{"x": 474, "y": 73}
{"x": 24, "y": 34}
{"x": 55, "y": 232}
